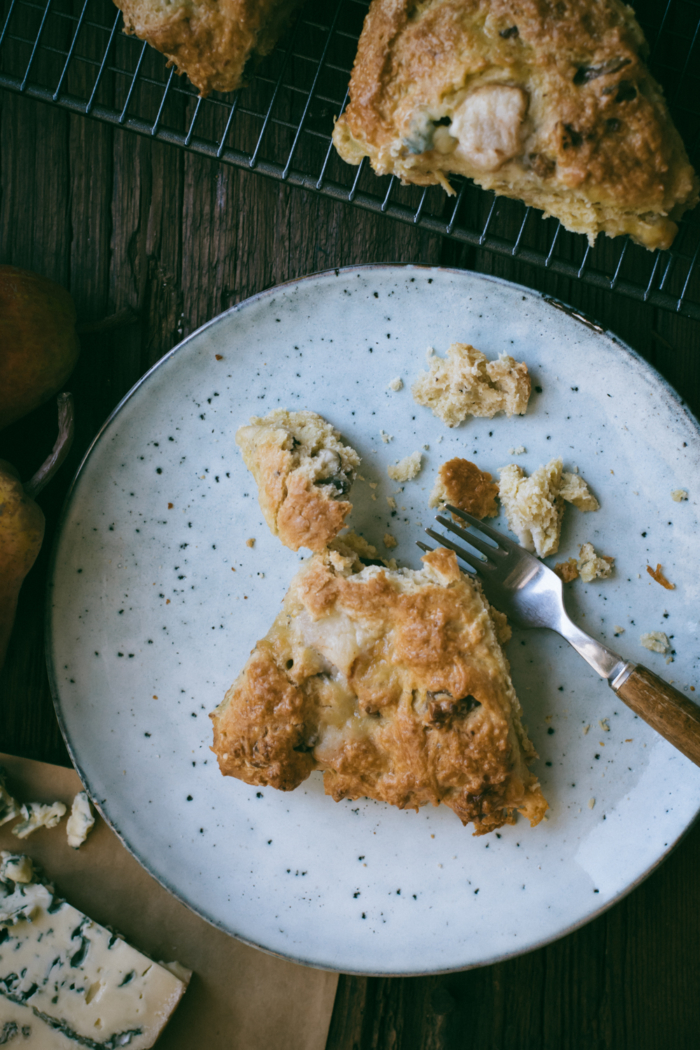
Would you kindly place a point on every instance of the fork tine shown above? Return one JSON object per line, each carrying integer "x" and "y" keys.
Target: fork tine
{"x": 476, "y": 563}
{"x": 497, "y": 537}
{"x": 471, "y": 538}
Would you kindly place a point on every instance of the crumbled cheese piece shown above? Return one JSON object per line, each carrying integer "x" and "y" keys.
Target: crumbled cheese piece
{"x": 9, "y": 807}
{"x": 679, "y": 495}
{"x": 396, "y": 384}
{"x": 15, "y": 867}
{"x": 407, "y": 468}
{"x": 534, "y": 506}
{"x": 386, "y": 438}
{"x": 390, "y": 541}
{"x": 81, "y": 820}
{"x": 36, "y": 815}
{"x": 517, "y": 450}
{"x": 656, "y": 641}
{"x": 464, "y": 383}
{"x": 250, "y": 542}
{"x": 392, "y": 502}
{"x": 591, "y": 565}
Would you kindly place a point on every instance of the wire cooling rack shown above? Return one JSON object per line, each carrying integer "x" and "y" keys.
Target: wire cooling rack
{"x": 73, "y": 53}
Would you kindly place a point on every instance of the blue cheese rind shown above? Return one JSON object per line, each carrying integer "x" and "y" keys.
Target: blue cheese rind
{"x": 77, "y": 978}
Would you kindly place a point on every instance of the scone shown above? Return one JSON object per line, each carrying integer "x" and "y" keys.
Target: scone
{"x": 534, "y": 506}
{"x": 302, "y": 470}
{"x": 209, "y": 40}
{"x": 548, "y": 102}
{"x": 463, "y": 485}
{"x": 465, "y": 383}
{"x": 391, "y": 682}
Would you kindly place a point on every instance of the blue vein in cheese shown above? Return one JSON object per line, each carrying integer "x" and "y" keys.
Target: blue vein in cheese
{"x": 75, "y": 979}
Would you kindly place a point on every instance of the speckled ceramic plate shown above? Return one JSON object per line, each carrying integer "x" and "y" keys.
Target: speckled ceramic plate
{"x": 156, "y": 600}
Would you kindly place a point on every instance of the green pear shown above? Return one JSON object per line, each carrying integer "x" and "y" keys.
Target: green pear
{"x": 38, "y": 342}
{"x": 21, "y": 533}
{"x": 22, "y": 520}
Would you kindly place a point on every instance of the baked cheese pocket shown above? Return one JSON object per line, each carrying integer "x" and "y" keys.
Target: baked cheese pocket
{"x": 394, "y": 683}
{"x": 209, "y": 40}
{"x": 547, "y": 102}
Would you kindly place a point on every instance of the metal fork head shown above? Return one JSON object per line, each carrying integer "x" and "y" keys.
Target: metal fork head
{"x": 514, "y": 581}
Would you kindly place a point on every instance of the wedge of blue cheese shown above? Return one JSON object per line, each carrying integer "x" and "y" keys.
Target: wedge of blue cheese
{"x": 74, "y": 982}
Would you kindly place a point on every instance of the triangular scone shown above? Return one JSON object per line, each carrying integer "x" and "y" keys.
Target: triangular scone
{"x": 392, "y": 682}
{"x": 302, "y": 470}
{"x": 548, "y": 102}
{"x": 209, "y": 40}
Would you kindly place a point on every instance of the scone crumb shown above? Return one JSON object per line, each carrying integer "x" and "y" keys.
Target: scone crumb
{"x": 386, "y": 438}
{"x": 465, "y": 383}
{"x": 390, "y": 541}
{"x": 567, "y": 570}
{"x": 657, "y": 574}
{"x": 517, "y": 450}
{"x": 463, "y": 485}
{"x": 586, "y": 730}
{"x": 392, "y": 502}
{"x": 679, "y": 495}
{"x": 592, "y": 566}
{"x": 407, "y": 468}
{"x": 656, "y": 642}
{"x": 617, "y": 630}
{"x": 591, "y": 803}
{"x": 250, "y": 542}
{"x": 604, "y": 724}
{"x": 396, "y": 384}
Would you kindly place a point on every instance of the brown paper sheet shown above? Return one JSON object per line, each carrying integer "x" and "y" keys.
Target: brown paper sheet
{"x": 239, "y": 998}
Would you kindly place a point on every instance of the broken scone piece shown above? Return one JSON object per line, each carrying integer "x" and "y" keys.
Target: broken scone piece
{"x": 463, "y": 485}
{"x": 465, "y": 383}
{"x": 209, "y": 40}
{"x": 589, "y": 566}
{"x": 549, "y": 103}
{"x": 534, "y": 506}
{"x": 392, "y": 683}
{"x": 302, "y": 470}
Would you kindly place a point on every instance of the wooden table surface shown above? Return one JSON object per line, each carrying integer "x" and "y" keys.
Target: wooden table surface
{"x": 152, "y": 242}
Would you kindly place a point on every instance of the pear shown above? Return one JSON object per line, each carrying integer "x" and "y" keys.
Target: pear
{"x": 21, "y": 533}
{"x": 38, "y": 341}
{"x": 22, "y": 521}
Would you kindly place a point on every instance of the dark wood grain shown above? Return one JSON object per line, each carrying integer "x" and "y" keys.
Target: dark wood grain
{"x": 154, "y": 242}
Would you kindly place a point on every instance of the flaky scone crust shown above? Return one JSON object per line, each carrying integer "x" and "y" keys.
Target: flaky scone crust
{"x": 394, "y": 684}
{"x": 209, "y": 40}
{"x": 599, "y": 149}
{"x": 461, "y": 483}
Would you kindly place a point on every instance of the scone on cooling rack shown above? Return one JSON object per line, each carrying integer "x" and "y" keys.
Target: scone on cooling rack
{"x": 209, "y": 40}
{"x": 550, "y": 103}
{"x": 394, "y": 684}
{"x": 302, "y": 470}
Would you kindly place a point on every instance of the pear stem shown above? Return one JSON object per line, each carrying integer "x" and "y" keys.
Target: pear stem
{"x": 60, "y": 450}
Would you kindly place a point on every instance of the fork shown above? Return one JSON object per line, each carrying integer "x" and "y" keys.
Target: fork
{"x": 531, "y": 595}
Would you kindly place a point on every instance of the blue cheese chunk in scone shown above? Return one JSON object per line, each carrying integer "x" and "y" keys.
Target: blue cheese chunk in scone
{"x": 72, "y": 976}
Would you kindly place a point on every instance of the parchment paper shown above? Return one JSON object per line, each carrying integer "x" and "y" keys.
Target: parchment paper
{"x": 238, "y": 999}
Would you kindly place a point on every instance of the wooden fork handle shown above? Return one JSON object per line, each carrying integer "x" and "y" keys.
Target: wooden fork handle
{"x": 665, "y": 709}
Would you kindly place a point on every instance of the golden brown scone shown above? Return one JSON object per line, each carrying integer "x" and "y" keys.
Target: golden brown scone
{"x": 209, "y": 40}
{"x": 391, "y": 682}
{"x": 302, "y": 470}
{"x": 547, "y": 101}
{"x": 461, "y": 483}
